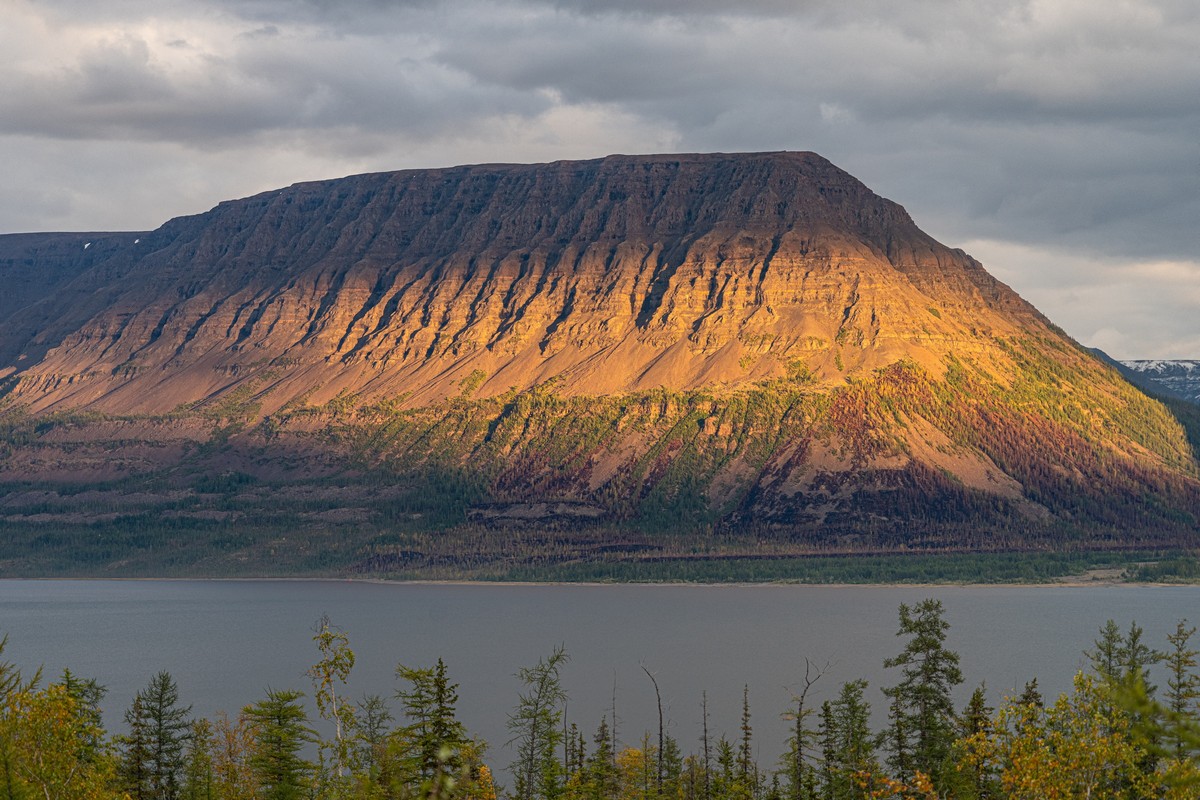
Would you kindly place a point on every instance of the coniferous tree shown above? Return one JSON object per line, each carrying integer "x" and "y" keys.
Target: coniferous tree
{"x": 706, "y": 749}
{"x": 1136, "y": 658}
{"x": 1105, "y": 658}
{"x": 435, "y": 735}
{"x": 86, "y": 692}
{"x": 726, "y": 785}
{"x": 280, "y": 730}
{"x": 170, "y": 729}
{"x": 602, "y": 775}
{"x": 975, "y": 778}
{"x": 535, "y": 729}
{"x": 745, "y": 747}
{"x": 922, "y": 706}
{"x": 1183, "y": 682}
{"x": 847, "y": 747}
{"x": 373, "y": 717}
{"x": 1031, "y": 696}
{"x": 233, "y": 746}
{"x": 671, "y": 759}
{"x": 134, "y": 766}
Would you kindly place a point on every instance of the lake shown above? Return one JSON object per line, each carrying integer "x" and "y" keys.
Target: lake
{"x": 225, "y": 642}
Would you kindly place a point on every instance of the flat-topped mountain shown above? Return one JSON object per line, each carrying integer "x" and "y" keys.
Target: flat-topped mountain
{"x": 615, "y": 275}
{"x": 701, "y": 343}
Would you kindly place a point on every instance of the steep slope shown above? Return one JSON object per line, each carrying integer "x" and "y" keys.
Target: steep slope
{"x": 753, "y": 345}
{"x": 615, "y": 275}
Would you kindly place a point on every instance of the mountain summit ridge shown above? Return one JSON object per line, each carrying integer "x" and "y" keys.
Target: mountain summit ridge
{"x": 679, "y": 269}
{"x": 711, "y": 342}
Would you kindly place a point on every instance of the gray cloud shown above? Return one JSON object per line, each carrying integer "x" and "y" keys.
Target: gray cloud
{"x": 1053, "y": 130}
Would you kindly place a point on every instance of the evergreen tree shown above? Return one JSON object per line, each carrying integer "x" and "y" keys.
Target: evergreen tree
{"x": 1031, "y": 696}
{"x": 976, "y": 717}
{"x": 435, "y": 736}
{"x": 535, "y": 729}
{"x": 153, "y": 751}
{"x": 1136, "y": 658}
{"x": 706, "y": 748}
{"x": 371, "y": 735}
{"x": 671, "y": 759}
{"x": 279, "y": 727}
{"x": 828, "y": 736}
{"x": 134, "y": 766}
{"x": 87, "y": 694}
{"x": 923, "y": 710}
{"x": 1183, "y": 683}
{"x": 725, "y": 785}
{"x": 847, "y": 748}
{"x": 745, "y": 748}
{"x": 170, "y": 729}
{"x": 975, "y": 779}
{"x": 1106, "y": 657}
{"x": 602, "y": 775}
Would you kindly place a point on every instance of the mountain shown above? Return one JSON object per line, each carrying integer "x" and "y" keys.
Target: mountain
{"x": 630, "y": 357}
{"x": 1179, "y": 378}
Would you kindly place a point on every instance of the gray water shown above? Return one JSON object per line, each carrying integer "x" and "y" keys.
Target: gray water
{"x": 225, "y": 642}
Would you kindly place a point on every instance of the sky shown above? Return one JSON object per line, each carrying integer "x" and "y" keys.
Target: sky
{"x": 1057, "y": 141}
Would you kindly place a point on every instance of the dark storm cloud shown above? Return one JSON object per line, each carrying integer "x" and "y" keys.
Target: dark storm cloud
{"x": 1030, "y": 127}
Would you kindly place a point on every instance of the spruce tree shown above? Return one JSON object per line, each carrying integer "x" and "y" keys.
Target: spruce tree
{"x": 847, "y": 747}
{"x": 1135, "y": 659}
{"x": 373, "y": 717}
{"x": 1183, "y": 683}
{"x": 1031, "y": 696}
{"x": 133, "y": 769}
{"x": 602, "y": 775}
{"x": 800, "y": 781}
{"x": 1105, "y": 658}
{"x": 435, "y": 735}
{"x": 922, "y": 706}
{"x": 280, "y": 730}
{"x": 745, "y": 748}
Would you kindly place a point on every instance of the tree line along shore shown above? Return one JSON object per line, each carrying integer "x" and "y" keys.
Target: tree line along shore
{"x": 1115, "y": 734}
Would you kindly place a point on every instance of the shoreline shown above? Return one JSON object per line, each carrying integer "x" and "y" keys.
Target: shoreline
{"x": 1069, "y": 582}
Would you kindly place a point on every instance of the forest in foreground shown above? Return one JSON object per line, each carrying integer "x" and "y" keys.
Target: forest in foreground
{"x": 1114, "y": 735}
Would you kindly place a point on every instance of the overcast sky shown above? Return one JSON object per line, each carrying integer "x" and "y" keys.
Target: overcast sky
{"x": 1058, "y": 141}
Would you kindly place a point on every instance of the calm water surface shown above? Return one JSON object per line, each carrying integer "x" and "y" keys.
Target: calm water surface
{"x": 225, "y": 642}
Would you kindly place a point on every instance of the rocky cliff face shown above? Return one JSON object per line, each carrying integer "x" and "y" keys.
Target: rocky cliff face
{"x": 710, "y": 340}
{"x": 616, "y": 275}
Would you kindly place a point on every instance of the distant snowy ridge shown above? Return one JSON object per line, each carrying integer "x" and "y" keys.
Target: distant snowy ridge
{"x": 1180, "y": 378}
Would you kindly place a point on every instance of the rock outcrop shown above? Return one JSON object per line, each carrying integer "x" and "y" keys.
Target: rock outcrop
{"x": 615, "y": 275}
